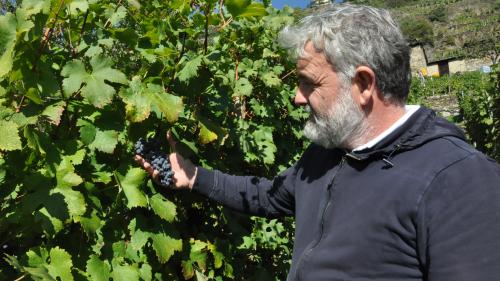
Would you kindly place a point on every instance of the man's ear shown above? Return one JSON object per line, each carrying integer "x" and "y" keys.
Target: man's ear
{"x": 364, "y": 80}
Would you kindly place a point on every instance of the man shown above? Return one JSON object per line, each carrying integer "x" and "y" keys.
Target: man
{"x": 386, "y": 191}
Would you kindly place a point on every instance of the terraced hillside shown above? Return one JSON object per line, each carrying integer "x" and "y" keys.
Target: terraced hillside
{"x": 450, "y": 28}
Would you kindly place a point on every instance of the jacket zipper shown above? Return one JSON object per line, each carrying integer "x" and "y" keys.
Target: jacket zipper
{"x": 312, "y": 245}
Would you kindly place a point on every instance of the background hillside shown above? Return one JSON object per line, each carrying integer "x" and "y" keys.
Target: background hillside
{"x": 450, "y": 28}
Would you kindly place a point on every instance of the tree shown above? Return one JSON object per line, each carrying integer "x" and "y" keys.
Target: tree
{"x": 418, "y": 30}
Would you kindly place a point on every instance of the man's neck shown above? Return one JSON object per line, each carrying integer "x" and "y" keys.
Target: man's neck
{"x": 377, "y": 122}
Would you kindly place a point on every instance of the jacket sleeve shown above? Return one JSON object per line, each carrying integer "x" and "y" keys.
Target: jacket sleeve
{"x": 251, "y": 195}
{"x": 460, "y": 222}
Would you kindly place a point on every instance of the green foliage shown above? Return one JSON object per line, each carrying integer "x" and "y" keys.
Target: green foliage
{"x": 478, "y": 98}
{"x": 417, "y": 30}
{"x": 82, "y": 80}
{"x": 438, "y": 14}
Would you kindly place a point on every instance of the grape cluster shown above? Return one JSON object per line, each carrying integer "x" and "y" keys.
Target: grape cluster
{"x": 150, "y": 150}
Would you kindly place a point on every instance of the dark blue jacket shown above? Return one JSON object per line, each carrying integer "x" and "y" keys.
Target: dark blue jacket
{"x": 421, "y": 205}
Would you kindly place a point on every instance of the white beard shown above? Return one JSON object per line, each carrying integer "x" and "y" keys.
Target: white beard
{"x": 341, "y": 127}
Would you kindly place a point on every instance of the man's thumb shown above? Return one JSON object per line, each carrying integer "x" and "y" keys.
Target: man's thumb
{"x": 171, "y": 140}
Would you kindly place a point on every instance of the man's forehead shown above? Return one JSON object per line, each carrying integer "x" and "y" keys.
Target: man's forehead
{"x": 311, "y": 58}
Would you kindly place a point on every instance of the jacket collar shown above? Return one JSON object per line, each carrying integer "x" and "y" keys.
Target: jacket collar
{"x": 422, "y": 127}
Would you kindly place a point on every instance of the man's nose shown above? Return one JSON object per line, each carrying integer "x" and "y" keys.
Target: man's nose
{"x": 300, "y": 98}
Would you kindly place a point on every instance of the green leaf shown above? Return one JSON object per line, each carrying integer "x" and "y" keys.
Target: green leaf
{"x": 78, "y": 6}
{"x": 7, "y": 42}
{"x": 97, "y": 269}
{"x": 105, "y": 141}
{"x": 165, "y": 246}
{"x": 243, "y": 87}
{"x": 270, "y": 79}
{"x": 54, "y": 112}
{"x": 10, "y": 139}
{"x": 190, "y": 69}
{"x": 95, "y": 90}
{"x": 163, "y": 208}
{"x": 65, "y": 175}
{"x": 67, "y": 178}
{"x": 60, "y": 264}
{"x": 125, "y": 273}
{"x": 253, "y": 10}
{"x": 52, "y": 224}
{"x": 264, "y": 139}
{"x": 237, "y": 7}
{"x": 146, "y": 272}
{"x": 137, "y": 101}
{"x": 118, "y": 16}
{"x": 130, "y": 184}
{"x": 91, "y": 224}
{"x": 35, "y": 6}
{"x": 169, "y": 105}
{"x": 87, "y": 131}
{"x": 76, "y": 75}
{"x": 205, "y": 135}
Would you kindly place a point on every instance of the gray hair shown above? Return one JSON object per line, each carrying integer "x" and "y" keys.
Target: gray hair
{"x": 351, "y": 36}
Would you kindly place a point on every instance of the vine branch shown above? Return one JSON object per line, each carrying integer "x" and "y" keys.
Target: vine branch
{"x": 47, "y": 35}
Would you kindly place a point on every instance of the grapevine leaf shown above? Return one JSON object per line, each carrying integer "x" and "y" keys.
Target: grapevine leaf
{"x": 76, "y": 75}
{"x": 97, "y": 269}
{"x": 7, "y": 42}
{"x": 187, "y": 270}
{"x": 169, "y": 105}
{"x": 35, "y": 6}
{"x": 93, "y": 51}
{"x": 60, "y": 264}
{"x": 138, "y": 239}
{"x": 78, "y": 6}
{"x": 130, "y": 184}
{"x": 96, "y": 91}
{"x": 270, "y": 79}
{"x": 87, "y": 131}
{"x": 146, "y": 272}
{"x": 198, "y": 254}
{"x": 190, "y": 70}
{"x": 102, "y": 68}
{"x": 237, "y": 7}
{"x": 74, "y": 200}
{"x": 54, "y": 112}
{"x": 125, "y": 273}
{"x": 206, "y": 136}
{"x": 10, "y": 139}
{"x": 243, "y": 87}
{"x": 66, "y": 176}
{"x": 163, "y": 208}
{"x": 218, "y": 256}
{"x": 137, "y": 102}
{"x": 253, "y": 10}
{"x": 51, "y": 224}
{"x": 105, "y": 141}
{"x": 165, "y": 246}
{"x": 117, "y": 16}
{"x": 200, "y": 276}
{"x": 264, "y": 139}
{"x": 91, "y": 224}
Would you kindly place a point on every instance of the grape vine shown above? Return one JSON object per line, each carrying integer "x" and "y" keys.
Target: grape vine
{"x": 82, "y": 81}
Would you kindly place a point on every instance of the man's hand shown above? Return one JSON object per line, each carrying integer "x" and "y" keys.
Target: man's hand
{"x": 184, "y": 170}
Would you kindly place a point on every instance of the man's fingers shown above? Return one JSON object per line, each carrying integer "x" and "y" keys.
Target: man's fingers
{"x": 148, "y": 167}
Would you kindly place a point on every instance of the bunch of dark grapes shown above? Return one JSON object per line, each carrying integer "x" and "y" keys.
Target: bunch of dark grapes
{"x": 150, "y": 150}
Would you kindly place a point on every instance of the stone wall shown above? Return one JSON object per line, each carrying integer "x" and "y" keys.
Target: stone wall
{"x": 467, "y": 65}
{"x": 417, "y": 60}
